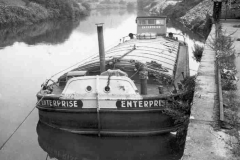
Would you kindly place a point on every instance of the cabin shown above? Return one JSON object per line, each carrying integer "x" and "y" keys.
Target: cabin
{"x": 152, "y": 24}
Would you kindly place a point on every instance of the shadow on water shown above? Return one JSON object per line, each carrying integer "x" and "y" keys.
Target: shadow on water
{"x": 108, "y": 12}
{"x": 63, "y": 145}
{"x": 52, "y": 32}
{"x": 185, "y": 31}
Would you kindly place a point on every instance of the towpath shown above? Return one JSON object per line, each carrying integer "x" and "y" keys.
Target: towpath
{"x": 205, "y": 139}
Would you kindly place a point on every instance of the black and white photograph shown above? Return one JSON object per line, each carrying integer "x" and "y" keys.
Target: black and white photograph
{"x": 119, "y": 80}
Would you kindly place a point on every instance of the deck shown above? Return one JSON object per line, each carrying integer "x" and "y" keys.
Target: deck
{"x": 182, "y": 68}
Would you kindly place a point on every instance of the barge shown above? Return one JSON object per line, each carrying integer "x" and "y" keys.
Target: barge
{"x": 133, "y": 89}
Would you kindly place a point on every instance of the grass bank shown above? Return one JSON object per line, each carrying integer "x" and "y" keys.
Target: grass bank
{"x": 17, "y": 12}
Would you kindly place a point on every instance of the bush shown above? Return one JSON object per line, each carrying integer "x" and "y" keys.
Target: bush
{"x": 223, "y": 44}
{"x": 197, "y": 52}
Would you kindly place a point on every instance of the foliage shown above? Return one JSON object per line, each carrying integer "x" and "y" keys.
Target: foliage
{"x": 122, "y": 2}
{"x": 206, "y": 27}
{"x": 86, "y": 5}
{"x": 181, "y": 111}
{"x": 197, "y": 52}
{"x": 106, "y": 2}
{"x": 79, "y": 1}
{"x": 189, "y": 86}
{"x": 12, "y": 2}
{"x": 130, "y": 5}
{"x": 231, "y": 118}
{"x": 62, "y": 8}
{"x": 228, "y": 85}
{"x": 173, "y": 12}
{"x": 141, "y": 5}
{"x": 201, "y": 24}
{"x": 38, "y": 10}
{"x": 223, "y": 44}
{"x": 180, "y": 9}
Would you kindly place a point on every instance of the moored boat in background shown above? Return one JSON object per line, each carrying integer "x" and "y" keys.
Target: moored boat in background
{"x": 102, "y": 96}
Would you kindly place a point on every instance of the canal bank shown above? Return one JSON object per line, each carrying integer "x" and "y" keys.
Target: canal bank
{"x": 205, "y": 138}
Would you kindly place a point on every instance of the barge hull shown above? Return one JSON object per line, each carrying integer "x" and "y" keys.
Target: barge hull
{"x": 110, "y": 122}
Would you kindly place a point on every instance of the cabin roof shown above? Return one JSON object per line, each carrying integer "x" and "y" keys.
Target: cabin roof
{"x": 163, "y": 51}
{"x": 151, "y": 17}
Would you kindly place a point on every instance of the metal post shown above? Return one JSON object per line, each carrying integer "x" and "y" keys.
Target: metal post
{"x": 217, "y": 7}
{"x": 101, "y": 47}
{"x": 143, "y": 76}
{"x": 98, "y": 107}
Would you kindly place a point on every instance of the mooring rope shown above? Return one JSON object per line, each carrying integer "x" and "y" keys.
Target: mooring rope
{"x": 81, "y": 62}
{"x": 41, "y": 100}
{"x": 22, "y": 123}
{"x": 136, "y": 71}
{"x": 72, "y": 66}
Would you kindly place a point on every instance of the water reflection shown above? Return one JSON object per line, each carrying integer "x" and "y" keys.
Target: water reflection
{"x": 112, "y": 19}
{"x": 63, "y": 145}
{"x": 185, "y": 31}
{"x": 52, "y": 32}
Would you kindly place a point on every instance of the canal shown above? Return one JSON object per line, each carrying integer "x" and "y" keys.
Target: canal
{"x": 31, "y": 54}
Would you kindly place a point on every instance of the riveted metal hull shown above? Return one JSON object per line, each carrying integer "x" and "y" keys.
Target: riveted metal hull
{"x": 111, "y": 122}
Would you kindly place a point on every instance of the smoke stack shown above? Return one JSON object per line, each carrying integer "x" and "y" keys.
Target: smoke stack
{"x": 101, "y": 46}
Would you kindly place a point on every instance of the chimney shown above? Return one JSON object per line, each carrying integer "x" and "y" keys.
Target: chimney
{"x": 101, "y": 46}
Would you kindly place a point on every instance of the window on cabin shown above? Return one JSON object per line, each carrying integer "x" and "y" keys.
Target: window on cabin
{"x": 147, "y": 22}
{"x": 143, "y": 22}
{"x": 159, "y": 22}
{"x": 151, "y": 21}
